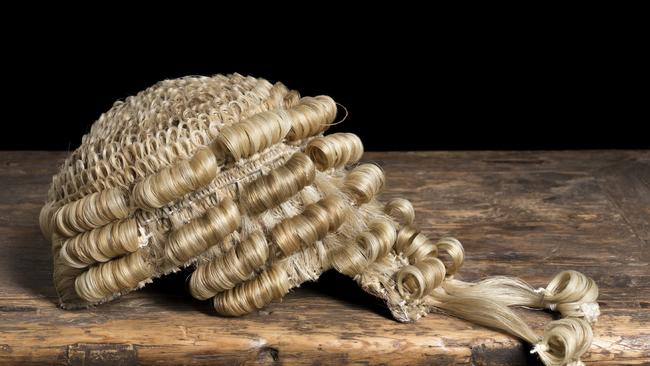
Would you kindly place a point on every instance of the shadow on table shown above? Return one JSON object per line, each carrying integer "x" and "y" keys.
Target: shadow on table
{"x": 345, "y": 290}
{"x": 171, "y": 292}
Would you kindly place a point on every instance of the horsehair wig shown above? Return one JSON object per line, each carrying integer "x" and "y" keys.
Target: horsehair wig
{"x": 232, "y": 176}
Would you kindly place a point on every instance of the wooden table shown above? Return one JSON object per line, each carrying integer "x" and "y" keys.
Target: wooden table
{"x": 527, "y": 214}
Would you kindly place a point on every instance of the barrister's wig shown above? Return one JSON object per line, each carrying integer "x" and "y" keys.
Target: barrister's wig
{"x": 233, "y": 177}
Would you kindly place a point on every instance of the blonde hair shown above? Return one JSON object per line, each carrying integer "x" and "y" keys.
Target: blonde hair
{"x": 233, "y": 176}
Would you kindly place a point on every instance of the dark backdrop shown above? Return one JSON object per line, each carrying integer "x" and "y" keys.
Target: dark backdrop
{"x": 486, "y": 87}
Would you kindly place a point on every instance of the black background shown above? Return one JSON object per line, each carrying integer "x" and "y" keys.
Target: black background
{"x": 420, "y": 85}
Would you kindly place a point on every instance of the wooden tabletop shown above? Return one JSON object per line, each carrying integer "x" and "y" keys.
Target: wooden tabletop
{"x": 526, "y": 214}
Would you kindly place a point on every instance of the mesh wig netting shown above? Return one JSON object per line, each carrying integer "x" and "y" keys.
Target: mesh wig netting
{"x": 233, "y": 177}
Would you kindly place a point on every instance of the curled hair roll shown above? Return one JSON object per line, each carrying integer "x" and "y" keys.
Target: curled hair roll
{"x": 203, "y": 232}
{"x": 564, "y": 342}
{"x": 335, "y": 150}
{"x": 45, "y": 220}
{"x": 273, "y": 283}
{"x": 174, "y": 182}
{"x": 235, "y": 266}
{"x": 106, "y": 279}
{"x": 101, "y": 244}
{"x": 258, "y": 132}
{"x": 281, "y": 183}
{"x": 401, "y": 210}
{"x": 277, "y": 95}
{"x": 317, "y": 219}
{"x": 417, "y": 247}
{"x": 454, "y": 249}
{"x": 311, "y": 116}
{"x": 364, "y": 182}
{"x": 414, "y": 245}
{"x": 369, "y": 246}
{"x": 420, "y": 279}
{"x": 572, "y": 294}
{"x": 92, "y": 211}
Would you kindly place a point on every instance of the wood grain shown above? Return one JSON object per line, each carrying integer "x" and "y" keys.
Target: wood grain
{"x": 527, "y": 214}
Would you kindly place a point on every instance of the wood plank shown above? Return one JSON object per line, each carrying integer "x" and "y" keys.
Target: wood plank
{"x": 527, "y": 214}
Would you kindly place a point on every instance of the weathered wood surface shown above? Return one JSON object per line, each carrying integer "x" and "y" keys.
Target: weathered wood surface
{"x": 528, "y": 214}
